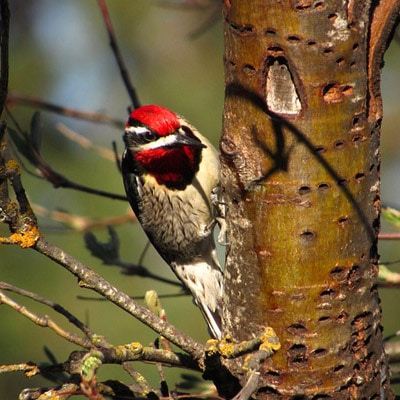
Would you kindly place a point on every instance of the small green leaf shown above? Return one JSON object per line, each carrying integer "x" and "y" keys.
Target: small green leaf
{"x": 90, "y": 363}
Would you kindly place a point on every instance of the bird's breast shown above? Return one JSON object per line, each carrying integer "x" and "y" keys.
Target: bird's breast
{"x": 176, "y": 221}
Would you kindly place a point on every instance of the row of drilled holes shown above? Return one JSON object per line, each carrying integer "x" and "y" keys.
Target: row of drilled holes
{"x": 276, "y": 50}
{"x": 305, "y": 189}
{"x": 327, "y": 295}
{"x": 249, "y": 30}
{"x": 340, "y": 144}
{"x": 310, "y": 235}
{"x": 341, "y": 61}
{"x": 352, "y": 275}
{"x": 345, "y": 89}
{"x": 339, "y": 273}
{"x": 306, "y": 5}
{"x": 298, "y": 352}
{"x": 333, "y": 92}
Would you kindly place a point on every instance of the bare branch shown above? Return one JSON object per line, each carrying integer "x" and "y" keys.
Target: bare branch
{"x": 23, "y": 225}
{"x": 4, "y": 27}
{"x": 29, "y": 369}
{"x": 29, "y": 146}
{"x": 83, "y": 223}
{"x": 85, "y": 143}
{"x": 65, "y": 111}
{"x": 91, "y": 280}
{"x": 389, "y": 236}
{"x": 138, "y": 377}
{"x": 45, "y": 321}
{"x": 59, "y": 309}
{"x": 114, "y": 46}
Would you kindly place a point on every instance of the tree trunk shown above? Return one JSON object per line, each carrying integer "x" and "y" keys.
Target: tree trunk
{"x": 300, "y": 155}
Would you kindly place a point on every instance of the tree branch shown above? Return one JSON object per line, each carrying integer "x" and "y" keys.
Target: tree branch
{"x": 94, "y": 339}
{"x": 62, "y": 110}
{"x": 114, "y": 46}
{"x": 29, "y": 145}
{"x": 45, "y": 321}
{"x": 23, "y": 225}
{"x": 4, "y": 32}
{"x": 91, "y": 280}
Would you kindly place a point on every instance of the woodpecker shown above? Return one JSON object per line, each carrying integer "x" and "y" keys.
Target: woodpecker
{"x": 170, "y": 172}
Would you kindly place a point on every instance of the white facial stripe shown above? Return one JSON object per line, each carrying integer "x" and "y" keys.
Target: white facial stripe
{"x": 136, "y": 129}
{"x": 161, "y": 142}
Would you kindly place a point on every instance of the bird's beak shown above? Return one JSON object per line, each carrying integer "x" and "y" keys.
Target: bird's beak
{"x": 182, "y": 140}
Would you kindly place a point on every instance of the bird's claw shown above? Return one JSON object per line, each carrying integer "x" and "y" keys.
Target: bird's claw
{"x": 220, "y": 211}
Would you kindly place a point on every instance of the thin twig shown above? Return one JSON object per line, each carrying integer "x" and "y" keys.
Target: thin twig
{"x": 91, "y": 280}
{"x": 145, "y": 387}
{"x": 45, "y": 322}
{"x": 82, "y": 223}
{"x": 85, "y": 143}
{"x": 56, "y": 307}
{"x": 133, "y": 352}
{"x": 250, "y": 387}
{"x": 62, "y": 110}
{"x": 387, "y": 276}
{"x": 383, "y": 262}
{"x": 32, "y": 153}
{"x": 29, "y": 369}
{"x": 62, "y": 392}
{"x": 392, "y": 350}
{"x": 389, "y": 236}
{"x": 60, "y": 181}
{"x": 114, "y": 46}
{"x": 266, "y": 341}
{"x": 4, "y": 33}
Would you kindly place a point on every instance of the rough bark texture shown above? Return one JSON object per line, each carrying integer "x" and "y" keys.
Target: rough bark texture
{"x": 300, "y": 154}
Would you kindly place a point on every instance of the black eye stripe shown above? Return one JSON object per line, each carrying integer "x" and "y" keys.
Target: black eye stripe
{"x": 143, "y": 134}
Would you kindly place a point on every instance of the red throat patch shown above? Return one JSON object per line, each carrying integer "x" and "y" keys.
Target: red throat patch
{"x": 173, "y": 167}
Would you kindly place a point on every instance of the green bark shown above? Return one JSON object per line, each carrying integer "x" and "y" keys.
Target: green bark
{"x": 300, "y": 155}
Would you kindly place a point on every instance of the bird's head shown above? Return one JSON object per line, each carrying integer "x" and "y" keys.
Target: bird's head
{"x": 163, "y": 145}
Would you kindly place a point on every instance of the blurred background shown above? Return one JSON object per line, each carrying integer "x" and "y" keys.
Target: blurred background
{"x": 59, "y": 52}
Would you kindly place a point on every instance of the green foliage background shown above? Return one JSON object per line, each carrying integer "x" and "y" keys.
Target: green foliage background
{"x": 59, "y": 52}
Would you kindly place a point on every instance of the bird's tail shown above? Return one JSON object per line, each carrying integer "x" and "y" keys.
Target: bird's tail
{"x": 204, "y": 280}
{"x": 213, "y": 319}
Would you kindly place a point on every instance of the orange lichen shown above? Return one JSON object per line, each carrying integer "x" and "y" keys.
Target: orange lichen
{"x": 270, "y": 341}
{"x": 26, "y": 238}
{"x": 211, "y": 347}
{"x": 13, "y": 165}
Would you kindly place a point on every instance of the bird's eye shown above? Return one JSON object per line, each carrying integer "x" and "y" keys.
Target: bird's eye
{"x": 145, "y": 136}
{"x": 149, "y": 136}
{"x": 139, "y": 135}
